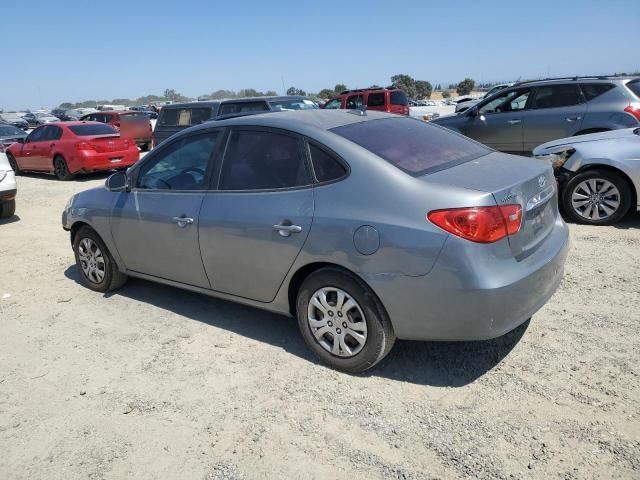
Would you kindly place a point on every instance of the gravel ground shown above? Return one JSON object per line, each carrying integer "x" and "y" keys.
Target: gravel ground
{"x": 155, "y": 382}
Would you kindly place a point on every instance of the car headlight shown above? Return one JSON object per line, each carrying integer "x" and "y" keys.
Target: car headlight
{"x": 557, "y": 159}
{"x": 2, "y": 175}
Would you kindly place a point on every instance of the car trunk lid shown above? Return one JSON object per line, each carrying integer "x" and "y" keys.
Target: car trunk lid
{"x": 108, "y": 143}
{"x": 511, "y": 179}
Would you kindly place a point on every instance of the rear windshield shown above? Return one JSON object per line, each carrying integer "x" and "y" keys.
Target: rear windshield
{"x": 399, "y": 98}
{"x": 134, "y": 117}
{"x": 93, "y": 129}
{"x": 9, "y": 130}
{"x": 230, "y": 108}
{"x": 634, "y": 86}
{"x": 412, "y": 145}
{"x": 593, "y": 90}
{"x": 184, "y": 117}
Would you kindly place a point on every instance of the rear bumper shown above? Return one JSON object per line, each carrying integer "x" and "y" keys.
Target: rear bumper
{"x": 468, "y": 297}
{"x": 88, "y": 161}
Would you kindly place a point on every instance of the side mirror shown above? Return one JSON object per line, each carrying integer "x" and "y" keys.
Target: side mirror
{"x": 473, "y": 111}
{"x": 21, "y": 140}
{"x": 118, "y": 182}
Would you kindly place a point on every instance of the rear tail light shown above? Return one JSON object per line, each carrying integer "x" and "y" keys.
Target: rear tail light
{"x": 479, "y": 224}
{"x": 84, "y": 146}
{"x": 634, "y": 109}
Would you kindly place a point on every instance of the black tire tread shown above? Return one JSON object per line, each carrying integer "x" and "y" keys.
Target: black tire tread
{"x": 114, "y": 279}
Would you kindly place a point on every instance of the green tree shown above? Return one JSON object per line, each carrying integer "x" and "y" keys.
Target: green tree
{"x": 326, "y": 93}
{"x": 406, "y": 83}
{"x": 339, "y": 88}
{"x": 423, "y": 89}
{"x": 446, "y": 94}
{"x": 271, "y": 93}
{"x": 220, "y": 94}
{"x": 67, "y": 105}
{"x": 296, "y": 91}
{"x": 465, "y": 86}
{"x": 171, "y": 94}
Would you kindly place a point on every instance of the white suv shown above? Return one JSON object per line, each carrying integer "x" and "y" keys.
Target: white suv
{"x": 8, "y": 188}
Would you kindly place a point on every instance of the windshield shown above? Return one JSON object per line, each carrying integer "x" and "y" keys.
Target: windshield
{"x": 634, "y": 86}
{"x": 10, "y": 130}
{"x": 93, "y": 129}
{"x": 298, "y": 104}
{"x": 412, "y": 145}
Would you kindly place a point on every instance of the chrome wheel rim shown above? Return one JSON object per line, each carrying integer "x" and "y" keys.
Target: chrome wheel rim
{"x": 337, "y": 322}
{"x": 595, "y": 199}
{"x": 91, "y": 260}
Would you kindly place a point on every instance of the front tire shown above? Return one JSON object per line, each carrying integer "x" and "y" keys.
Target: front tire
{"x": 13, "y": 164}
{"x": 342, "y": 321}
{"x": 61, "y": 169}
{"x": 7, "y": 209}
{"x": 97, "y": 268}
{"x": 144, "y": 147}
{"x": 596, "y": 197}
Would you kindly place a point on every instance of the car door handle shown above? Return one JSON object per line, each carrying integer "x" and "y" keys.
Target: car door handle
{"x": 514, "y": 122}
{"x": 183, "y": 221}
{"x": 573, "y": 119}
{"x": 287, "y": 230}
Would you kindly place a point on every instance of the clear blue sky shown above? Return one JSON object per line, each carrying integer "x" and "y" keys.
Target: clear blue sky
{"x": 72, "y": 50}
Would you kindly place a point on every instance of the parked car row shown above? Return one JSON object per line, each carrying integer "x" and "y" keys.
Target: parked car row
{"x": 520, "y": 118}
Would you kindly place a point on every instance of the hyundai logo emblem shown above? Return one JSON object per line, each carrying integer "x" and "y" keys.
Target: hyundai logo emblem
{"x": 541, "y": 181}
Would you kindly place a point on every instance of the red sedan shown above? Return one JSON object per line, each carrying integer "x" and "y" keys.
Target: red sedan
{"x": 68, "y": 148}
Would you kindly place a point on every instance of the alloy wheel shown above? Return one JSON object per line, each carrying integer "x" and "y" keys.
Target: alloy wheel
{"x": 595, "y": 199}
{"x": 91, "y": 260}
{"x": 337, "y": 322}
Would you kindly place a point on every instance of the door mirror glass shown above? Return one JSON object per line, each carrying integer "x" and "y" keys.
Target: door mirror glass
{"x": 118, "y": 182}
{"x": 473, "y": 111}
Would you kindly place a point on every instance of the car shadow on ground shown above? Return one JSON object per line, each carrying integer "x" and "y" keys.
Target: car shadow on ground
{"x": 81, "y": 177}
{"x": 442, "y": 364}
{"x": 13, "y": 219}
{"x": 630, "y": 221}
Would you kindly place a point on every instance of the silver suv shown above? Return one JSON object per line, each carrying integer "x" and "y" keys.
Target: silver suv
{"x": 519, "y": 118}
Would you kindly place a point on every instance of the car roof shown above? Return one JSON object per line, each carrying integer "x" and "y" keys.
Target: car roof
{"x": 593, "y": 79}
{"x": 212, "y": 103}
{"x": 300, "y": 120}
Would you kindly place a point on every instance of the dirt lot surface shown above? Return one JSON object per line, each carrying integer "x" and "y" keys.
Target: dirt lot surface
{"x": 155, "y": 382}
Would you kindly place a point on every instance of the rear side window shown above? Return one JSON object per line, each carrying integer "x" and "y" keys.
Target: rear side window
{"x": 325, "y": 166}
{"x": 230, "y": 108}
{"x": 184, "y": 117}
{"x": 553, "y": 96}
{"x": 634, "y": 86}
{"x": 375, "y": 100}
{"x": 413, "y": 146}
{"x": 593, "y": 90}
{"x": 93, "y": 129}
{"x": 399, "y": 98}
{"x": 52, "y": 133}
{"x": 258, "y": 160}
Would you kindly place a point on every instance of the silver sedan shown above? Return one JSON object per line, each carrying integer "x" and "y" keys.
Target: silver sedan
{"x": 366, "y": 227}
{"x": 599, "y": 174}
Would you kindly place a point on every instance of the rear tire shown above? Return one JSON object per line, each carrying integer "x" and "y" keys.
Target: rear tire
{"x": 144, "y": 147}
{"x": 346, "y": 326}
{"x": 14, "y": 164}
{"x": 596, "y": 197}
{"x": 97, "y": 267}
{"x": 61, "y": 169}
{"x": 7, "y": 209}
